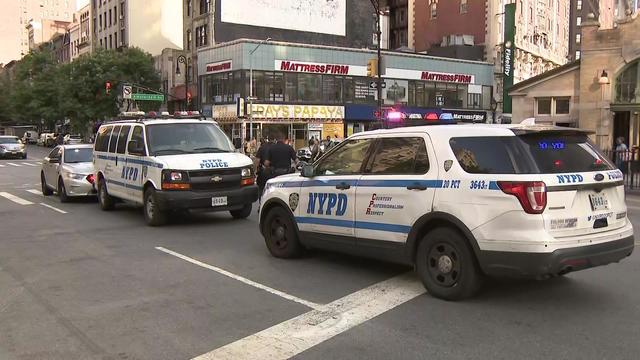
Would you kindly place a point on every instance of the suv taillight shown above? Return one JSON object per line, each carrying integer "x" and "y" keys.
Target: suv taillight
{"x": 531, "y": 194}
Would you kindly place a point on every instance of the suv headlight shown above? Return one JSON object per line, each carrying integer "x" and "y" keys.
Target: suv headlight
{"x": 75, "y": 176}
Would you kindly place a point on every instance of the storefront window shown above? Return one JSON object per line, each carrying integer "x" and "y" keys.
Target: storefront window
{"x": 309, "y": 87}
{"x": 474, "y": 101}
{"x": 332, "y": 89}
{"x": 420, "y": 95}
{"x": 626, "y": 85}
{"x": 221, "y": 88}
{"x": 291, "y": 87}
{"x": 276, "y": 87}
{"x": 462, "y": 100}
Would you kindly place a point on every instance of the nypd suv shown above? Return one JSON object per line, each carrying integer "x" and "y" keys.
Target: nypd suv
{"x": 172, "y": 163}
{"x": 457, "y": 202}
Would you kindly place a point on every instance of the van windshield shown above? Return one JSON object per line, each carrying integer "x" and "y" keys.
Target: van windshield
{"x": 186, "y": 138}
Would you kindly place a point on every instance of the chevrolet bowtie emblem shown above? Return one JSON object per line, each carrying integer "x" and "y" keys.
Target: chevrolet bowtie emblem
{"x": 216, "y": 179}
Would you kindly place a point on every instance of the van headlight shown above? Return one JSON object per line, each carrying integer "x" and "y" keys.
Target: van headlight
{"x": 247, "y": 172}
{"x": 247, "y": 176}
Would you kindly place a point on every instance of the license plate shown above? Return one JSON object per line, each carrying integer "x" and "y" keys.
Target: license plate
{"x": 598, "y": 202}
{"x": 219, "y": 201}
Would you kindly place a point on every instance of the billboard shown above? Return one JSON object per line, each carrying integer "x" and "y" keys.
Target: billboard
{"x": 324, "y": 17}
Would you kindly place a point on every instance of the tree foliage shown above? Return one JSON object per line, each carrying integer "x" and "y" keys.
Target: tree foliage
{"x": 43, "y": 90}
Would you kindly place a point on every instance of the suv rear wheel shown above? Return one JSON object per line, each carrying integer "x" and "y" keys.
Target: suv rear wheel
{"x": 447, "y": 266}
{"x": 281, "y": 235}
{"x": 152, "y": 213}
{"x": 106, "y": 201}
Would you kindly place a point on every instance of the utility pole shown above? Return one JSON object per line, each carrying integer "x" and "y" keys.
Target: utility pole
{"x": 376, "y": 6}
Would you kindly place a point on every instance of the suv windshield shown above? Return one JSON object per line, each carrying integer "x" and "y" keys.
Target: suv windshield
{"x": 186, "y": 138}
{"x": 536, "y": 153}
{"x": 8, "y": 140}
{"x": 78, "y": 155}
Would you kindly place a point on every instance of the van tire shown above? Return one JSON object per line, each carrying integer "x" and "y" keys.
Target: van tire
{"x": 447, "y": 265}
{"x": 152, "y": 213}
{"x": 281, "y": 234}
{"x": 241, "y": 213}
{"x": 45, "y": 188}
{"x": 106, "y": 201}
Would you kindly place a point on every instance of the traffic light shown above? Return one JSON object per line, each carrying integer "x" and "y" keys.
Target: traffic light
{"x": 189, "y": 97}
{"x": 372, "y": 67}
{"x": 107, "y": 87}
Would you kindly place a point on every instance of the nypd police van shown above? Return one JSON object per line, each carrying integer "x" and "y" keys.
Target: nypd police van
{"x": 457, "y": 203}
{"x": 169, "y": 164}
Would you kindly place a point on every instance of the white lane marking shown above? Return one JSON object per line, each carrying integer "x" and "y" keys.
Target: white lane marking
{"x": 12, "y": 164}
{"x": 15, "y": 199}
{"x": 303, "y": 332}
{"x": 2, "y": 165}
{"x": 28, "y": 164}
{"x": 241, "y": 279}
{"x": 34, "y": 191}
{"x": 53, "y": 208}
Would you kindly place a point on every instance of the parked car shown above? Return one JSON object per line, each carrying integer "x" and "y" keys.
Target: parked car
{"x": 72, "y": 139}
{"x": 11, "y": 146}
{"x": 46, "y": 139}
{"x": 68, "y": 170}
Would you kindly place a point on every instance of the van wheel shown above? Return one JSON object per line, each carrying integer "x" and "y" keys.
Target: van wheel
{"x": 242, "y": 213}
{"x": 281, "y": 235}
{"x": 447, "y": 266}
{"x": 45, "y": 189}
{"x": 62, "y": 191}
{"x": 106, "y": 201}
{"x": 152, "y": 213}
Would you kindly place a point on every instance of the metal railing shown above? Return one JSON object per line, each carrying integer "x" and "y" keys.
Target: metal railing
{"x": 628, "y": 162}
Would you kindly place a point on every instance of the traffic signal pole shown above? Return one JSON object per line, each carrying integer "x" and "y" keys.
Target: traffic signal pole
{"x": 379, "y": 83}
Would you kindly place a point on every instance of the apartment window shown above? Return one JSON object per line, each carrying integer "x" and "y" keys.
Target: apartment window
{"x": 115, "y": 14}
{"x": 122, "y": 36}
{"x": 530, "y": 14}
{"x": 521, "y": 9}
{"x": 100, "y": 42}
{"x": 100, "y": 16}
{"x": 121, "y": 11}
{"x": 110, "y": 42}
{"x": 189, "y": 39}
{"x": 543, "y": 106}
{"x": 115, "y": 38}
{"x": 579, "y": 5}
{"x": 204, "y": 6}
{"x": 110, "y": 17}
{"x": 562, "y": 106}
{"x": 201, "y": 36}
{"x": 579, "y": 20}
{"x": 463, "y": 6}
{"x": 578, "y": 55}
{"x": 189, "y": 7}
{"x": 578, "y": 36}
{"x": 434, "y": 9}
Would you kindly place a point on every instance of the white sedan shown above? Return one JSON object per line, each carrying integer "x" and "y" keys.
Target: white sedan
{"x": 68, "y": 170}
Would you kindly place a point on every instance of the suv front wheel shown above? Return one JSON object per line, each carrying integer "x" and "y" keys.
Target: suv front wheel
{"x": 281, "y": 235}
{"x": 447, "y": 266}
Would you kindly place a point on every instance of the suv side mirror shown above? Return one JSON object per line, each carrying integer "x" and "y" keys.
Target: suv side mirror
{"x": 307, "y": 170}
{"x": 135, "y": 148}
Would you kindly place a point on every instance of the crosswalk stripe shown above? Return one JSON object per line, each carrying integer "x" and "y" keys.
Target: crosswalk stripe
{"x": 12, "y": 164}
{"x": 53, "y": 208}
{"x": 15, "y": 199}
{"x": 28, "y": 164}
{"x": 34, "y": 191}
{"x": 2, "y": 165}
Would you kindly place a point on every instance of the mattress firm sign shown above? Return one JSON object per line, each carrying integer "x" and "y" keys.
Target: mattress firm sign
{"x": 275, "y": 111}
{"x": 430, "y": 76}
{"x": 320, "y": 68}
{"x": 217, "y": 67}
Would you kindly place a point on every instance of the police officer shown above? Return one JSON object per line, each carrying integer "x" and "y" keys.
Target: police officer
{"x": 279, "y": 157}
{"x": 261, "y": 156}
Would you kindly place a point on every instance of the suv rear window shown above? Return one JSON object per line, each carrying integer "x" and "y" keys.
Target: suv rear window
{"x": 537, "y": 153}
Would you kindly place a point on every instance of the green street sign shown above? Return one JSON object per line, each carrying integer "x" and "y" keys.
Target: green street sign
{"x": 147, "y": 97}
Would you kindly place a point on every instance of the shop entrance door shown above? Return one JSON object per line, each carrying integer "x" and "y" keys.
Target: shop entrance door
{"x": 621, "y": 127}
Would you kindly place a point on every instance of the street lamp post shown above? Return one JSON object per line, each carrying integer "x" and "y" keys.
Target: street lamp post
{"x": 183, "y": 60}
{"x": 251, "y": 87}
{"x": 376, "y": 6}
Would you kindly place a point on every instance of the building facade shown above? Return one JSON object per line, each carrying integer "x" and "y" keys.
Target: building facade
{"x": 317, "y": 91}
{"x": 602, "y": 88}
{"x": 81, "y": 32}
{"x": 44, "y": 31}
{"x": 151, "y": 25}
{"x": 17, "y": 15}
{"x": 601, "y": 10}
{"x": 333, "y": 23}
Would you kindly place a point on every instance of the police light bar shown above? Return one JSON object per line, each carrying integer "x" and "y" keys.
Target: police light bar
{"x": 186, "y": 113}
{"x": 132, "y": 114}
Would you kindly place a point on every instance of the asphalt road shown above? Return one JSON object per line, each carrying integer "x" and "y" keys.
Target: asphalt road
{"x": 79, "y": 283}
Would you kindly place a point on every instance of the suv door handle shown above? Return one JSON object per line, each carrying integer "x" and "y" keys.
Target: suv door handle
{"x": 343, "y": 186}
{"x": 416, "y": 186}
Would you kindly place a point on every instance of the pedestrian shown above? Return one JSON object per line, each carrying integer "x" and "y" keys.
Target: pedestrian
{"x": 622, "y": 154}
{"x": 279, "y": 157}
{"x": 327, "y": 143}
{"x": 60, "y": 139}
{"x": 261, "y": 156}
{"x": 314, "y": 147}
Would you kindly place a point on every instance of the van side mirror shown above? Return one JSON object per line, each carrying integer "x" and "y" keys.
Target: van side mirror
{"x": 135, "y": 148}
{"x": 307, "y": 171}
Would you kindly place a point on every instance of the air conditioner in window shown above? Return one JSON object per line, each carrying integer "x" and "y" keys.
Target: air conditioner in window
{"x": 121, "y": 17}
